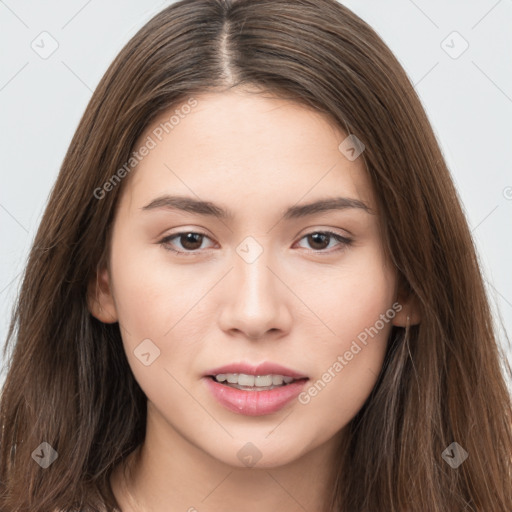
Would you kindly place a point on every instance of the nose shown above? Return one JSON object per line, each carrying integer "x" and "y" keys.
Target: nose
{"x": 256, "y": 300}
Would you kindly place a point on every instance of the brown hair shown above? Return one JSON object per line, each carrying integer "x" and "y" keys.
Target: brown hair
{"x": 68, "y": 381}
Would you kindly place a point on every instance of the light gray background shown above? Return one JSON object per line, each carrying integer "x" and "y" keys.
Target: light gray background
{"x": 468, "y": 100}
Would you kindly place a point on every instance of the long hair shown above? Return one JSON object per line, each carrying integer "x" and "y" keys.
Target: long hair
{"x": 69, "y": 383}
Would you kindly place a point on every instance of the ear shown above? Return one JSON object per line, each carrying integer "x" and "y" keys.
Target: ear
{"x": 410, "y": 314}
{"x": 100, "y": 299}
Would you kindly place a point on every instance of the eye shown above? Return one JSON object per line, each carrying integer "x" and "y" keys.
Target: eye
{"x": 191, "y": 242}
{"x": 320, "y": 240}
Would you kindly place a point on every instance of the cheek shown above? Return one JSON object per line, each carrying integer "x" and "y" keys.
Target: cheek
{"x": 152, "y": 293}
{"x": 359, "y": 327}
{"x": 348, "y": 297}
{"x": 357, "y": 308}
{"x": 155, "y": 301}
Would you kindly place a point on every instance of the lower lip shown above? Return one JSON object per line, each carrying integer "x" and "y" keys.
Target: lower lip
{"x": 254, "y": 403}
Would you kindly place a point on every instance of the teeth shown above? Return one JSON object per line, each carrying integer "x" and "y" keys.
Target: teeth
{"x": 253, "y": 381}
{"x": 265, "y": 380}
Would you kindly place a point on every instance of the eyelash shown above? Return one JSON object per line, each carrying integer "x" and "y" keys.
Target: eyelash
{"x": 344, "y": 242}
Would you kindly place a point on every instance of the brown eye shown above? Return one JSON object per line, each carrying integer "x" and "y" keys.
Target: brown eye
{"x": 318, "y": 241}
{"x": 184, "y": 242}
{"x": 190, "y": 242}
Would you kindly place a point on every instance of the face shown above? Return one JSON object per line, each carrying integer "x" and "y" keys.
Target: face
{"x": 268, "y": 282}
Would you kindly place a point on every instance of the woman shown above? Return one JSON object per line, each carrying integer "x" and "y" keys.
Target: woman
{"x": 254, "y": 287}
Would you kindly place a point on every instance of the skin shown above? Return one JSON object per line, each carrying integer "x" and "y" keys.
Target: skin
{"x": 255, "y": 155}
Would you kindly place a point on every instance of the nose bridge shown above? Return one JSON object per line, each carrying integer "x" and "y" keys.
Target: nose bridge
{"x": 254, "y": 282}
{"x": 255, "y": 302}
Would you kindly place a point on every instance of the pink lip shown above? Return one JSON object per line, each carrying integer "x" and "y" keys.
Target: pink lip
{"x": 266, "y": 368}
{"x": 255, "y": 403}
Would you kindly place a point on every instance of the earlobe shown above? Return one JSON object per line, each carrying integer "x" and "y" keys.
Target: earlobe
{"x": 409, "y": 314}
{"x": 100, "y": 299}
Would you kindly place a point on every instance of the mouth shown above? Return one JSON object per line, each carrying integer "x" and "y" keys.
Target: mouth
{"x": 254, "y": 390}
{"x": 254, "y": 395}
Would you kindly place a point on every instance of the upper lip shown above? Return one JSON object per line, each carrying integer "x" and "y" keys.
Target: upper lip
{"x": 266, "y": 368}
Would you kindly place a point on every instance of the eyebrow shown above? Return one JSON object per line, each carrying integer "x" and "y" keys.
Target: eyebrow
{"x": 200, "y": 207}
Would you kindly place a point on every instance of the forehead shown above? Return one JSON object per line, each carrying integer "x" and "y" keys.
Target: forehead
{"x": 247, "y": 148}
